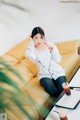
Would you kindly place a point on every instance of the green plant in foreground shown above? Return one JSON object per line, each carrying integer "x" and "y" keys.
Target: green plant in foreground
{"x": 11, "y": 95}
{"x": 9, "y": 90}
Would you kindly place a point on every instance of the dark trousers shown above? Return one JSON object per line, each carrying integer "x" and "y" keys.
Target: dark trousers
{"x": 53, "y": 87}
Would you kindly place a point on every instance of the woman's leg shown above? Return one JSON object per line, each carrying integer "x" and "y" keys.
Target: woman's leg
{"x": 58, "y": 83}
{"x": 49, "y": 86}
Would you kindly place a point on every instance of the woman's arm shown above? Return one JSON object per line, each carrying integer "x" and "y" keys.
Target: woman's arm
{"x": 30, "y": 52}
{"x": 54, "y": 51}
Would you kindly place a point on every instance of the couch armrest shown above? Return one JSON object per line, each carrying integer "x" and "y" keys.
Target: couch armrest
{"x": 68, "y": 47}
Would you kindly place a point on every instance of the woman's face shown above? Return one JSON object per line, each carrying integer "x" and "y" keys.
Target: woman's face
{"x": 38, "y": 40}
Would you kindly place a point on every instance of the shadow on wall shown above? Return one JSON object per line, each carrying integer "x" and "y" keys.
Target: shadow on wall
{"x": 15, "y": 25}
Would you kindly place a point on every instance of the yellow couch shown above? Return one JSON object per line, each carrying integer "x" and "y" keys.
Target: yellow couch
{"x": 31, "y": 86}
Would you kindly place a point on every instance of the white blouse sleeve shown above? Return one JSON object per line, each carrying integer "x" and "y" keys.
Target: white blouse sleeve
{"x": 30, "y": 52}
{"x": 55, "y": 54}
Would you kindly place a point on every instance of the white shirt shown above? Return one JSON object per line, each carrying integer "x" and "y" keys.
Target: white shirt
{"x": 47, "y": 62}
{"x": 44, "y": 57}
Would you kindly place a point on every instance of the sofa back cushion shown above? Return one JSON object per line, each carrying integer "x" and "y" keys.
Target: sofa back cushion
{"x": 68, "y": 47}
{"x": 19, "y": 51}
{"x": 23, "y": 72}
{"x": 10, "y": 60}
{"x": 31, "y": 66}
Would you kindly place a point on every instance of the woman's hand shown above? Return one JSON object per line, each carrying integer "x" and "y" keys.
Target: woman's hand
{"x": 51, "y": 49}
{"x": 30, "y": 37}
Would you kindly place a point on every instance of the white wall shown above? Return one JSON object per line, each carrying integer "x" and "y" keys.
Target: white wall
{"x": 60, "y": 21}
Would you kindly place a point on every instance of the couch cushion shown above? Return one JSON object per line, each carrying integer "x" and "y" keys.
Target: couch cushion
{"x": 68, "y": 46}
{"x": 70, "y": 62}
{"x": 23, "y": 72}
{"x": 40, "y": 99}
{"x": 31, "y": 66}
{"x": 19, "y": 51}
{"x": 34, "y": 95}
{"x": 10, "y": 60}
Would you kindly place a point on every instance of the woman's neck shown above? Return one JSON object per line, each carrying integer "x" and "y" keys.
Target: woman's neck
{"x": 42, "y": 47}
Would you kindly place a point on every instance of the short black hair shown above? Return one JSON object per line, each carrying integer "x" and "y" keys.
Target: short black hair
{"x": 37, "y": 30}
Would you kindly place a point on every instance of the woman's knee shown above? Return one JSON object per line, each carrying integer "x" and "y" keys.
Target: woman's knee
{"x": 61, "y": 79}
{"x": 46, "y": 81}
{"x": 49, "y": 86}
{"x": 59, "y": 82}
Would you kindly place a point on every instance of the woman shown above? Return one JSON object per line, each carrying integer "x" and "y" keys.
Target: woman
{"x": 46, "y": 56}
